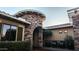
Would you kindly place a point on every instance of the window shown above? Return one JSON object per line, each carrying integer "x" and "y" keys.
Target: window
{"x": 5, "y": 32}
{"x": 13, "y": 33}
{"x": 8, "y": 33}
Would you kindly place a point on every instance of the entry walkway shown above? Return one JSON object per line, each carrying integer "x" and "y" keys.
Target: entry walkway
{"x": 50, "y": 49}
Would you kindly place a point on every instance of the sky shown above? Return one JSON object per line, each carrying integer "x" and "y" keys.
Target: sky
{"x": 54, "y": 15}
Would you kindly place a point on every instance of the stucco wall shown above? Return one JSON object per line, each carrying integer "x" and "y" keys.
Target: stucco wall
{"x": 57, "y": 36}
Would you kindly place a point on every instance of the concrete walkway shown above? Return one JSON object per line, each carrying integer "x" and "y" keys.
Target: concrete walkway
{"x": 51, "y": 49}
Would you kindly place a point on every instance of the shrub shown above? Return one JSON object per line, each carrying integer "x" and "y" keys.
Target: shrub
{"x": 69, "y": 42}
{"x": 60, "y": 44}
{"x": 47, "y": 43}
{"x": 15, "y": 46}
{"x": 47, "y": 34}
{"x": 54, "y": 44}
{"x": 50, "y": 43}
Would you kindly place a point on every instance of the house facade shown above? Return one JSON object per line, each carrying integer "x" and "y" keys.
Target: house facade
{"x": 24, "y": 25}
{"x": 59, "y": 32}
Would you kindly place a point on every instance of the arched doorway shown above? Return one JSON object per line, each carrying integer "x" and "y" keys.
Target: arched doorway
{"x": 38, "y": 37}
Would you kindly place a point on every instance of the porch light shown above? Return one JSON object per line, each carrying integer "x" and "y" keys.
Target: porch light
{"x": 60, "y": 32}
{"x": 65, "y": 31}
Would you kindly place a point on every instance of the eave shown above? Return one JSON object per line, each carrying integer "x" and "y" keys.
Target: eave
{"x": 12, "y": 18}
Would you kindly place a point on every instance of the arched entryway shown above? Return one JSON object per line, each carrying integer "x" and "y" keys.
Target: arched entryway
{"x": 38, "y": 37}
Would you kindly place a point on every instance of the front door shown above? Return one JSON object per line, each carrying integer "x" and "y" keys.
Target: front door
{"x": 37, "y": 37}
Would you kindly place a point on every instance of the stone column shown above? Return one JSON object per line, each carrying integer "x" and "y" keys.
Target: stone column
{"x": 75, "y": 19}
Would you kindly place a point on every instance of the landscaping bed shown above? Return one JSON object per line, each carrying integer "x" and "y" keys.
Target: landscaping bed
{"x": 60, "y": 44}
{"x": 15, "y": 46}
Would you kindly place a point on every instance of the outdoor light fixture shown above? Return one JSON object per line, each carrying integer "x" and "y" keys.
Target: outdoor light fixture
{"x": 65, "y": 31}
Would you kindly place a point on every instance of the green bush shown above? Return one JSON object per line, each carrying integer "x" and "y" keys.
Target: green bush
{"x": 69, "y": 42}
{"x": 15, "y": 46}
{"x": 46, "y": 36}
{"x": 48, "y": 43}
{"x": 60, "y": 44}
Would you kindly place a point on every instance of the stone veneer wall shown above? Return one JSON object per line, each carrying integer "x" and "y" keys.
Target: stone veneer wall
{"x": 75, "y": 19}
{"x": 36, "y": 21}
